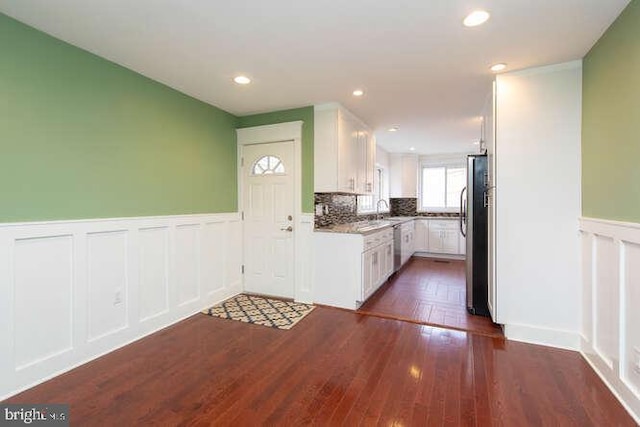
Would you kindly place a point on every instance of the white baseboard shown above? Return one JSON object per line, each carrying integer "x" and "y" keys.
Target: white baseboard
{"x": 439, "y": 256}
{"x": 541, "y": 336}
{"x": 76, "y": 290}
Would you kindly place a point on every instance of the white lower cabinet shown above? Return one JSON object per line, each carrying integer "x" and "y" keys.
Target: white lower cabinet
{"x": 377, "y": 265}
{"x": 421, "y": 237}
{"x": 407, "y": 245}
{"x": 439, "y": 236}
{"x": 443, "y": 237}
{"x": 349, "y": 268}
{"x": 370, "y": 271}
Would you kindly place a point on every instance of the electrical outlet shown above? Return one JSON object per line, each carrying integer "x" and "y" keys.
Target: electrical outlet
{"x": 117, "y": 298}
{"x": 319, "y": 210}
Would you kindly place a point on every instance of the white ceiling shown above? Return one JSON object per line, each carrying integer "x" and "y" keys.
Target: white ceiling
{"x": 421, "y": 69}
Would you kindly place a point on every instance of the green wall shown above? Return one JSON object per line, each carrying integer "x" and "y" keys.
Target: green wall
{"x": 611, "y": 122}
{"x": 306, "y": 115}
{"x": 81, "y": 137}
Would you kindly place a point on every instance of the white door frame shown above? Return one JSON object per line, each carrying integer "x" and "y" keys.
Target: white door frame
{"x": 281, "y": 132}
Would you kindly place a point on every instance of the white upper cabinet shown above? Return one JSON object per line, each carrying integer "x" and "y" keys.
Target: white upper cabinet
{"x": 344, "y": 152}
{"x": 403, "y": 175}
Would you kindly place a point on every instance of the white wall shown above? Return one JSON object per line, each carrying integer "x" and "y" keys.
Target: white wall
{"x": 74, "y": 290}
{"x": 610, "y": 301}
{"x": 538, "y": 204}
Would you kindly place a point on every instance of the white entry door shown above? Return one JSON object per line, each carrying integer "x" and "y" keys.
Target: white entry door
{"x": 268, "y": 206}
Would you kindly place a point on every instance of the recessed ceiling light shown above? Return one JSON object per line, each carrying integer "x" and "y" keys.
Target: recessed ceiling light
{"x": 242, "y": 80}
{"x": 498, "y": 67}
{"x": 393, "y": 129}
{"x": 475, "y": 18}
{"x": 358, "y": 92}
{"x": 412, "y": 148}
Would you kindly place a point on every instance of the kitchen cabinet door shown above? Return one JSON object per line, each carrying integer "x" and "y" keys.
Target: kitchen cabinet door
{"x": 367, "y": 273}
{"x": 388, "y": 259}
{"x": 369, "y": 163}
{"x": 436, "y": 242}
{"x": 421, "y": 241}
{"x": 450, "y": 241}
{"x": 406, "y": 246}
{"x": 344, "y": 152}
{"x": 348, "y": 153}
{"x": 444, "y": 237}
{"x": 462, "y": 242}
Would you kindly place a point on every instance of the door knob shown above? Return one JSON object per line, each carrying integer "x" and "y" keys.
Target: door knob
{"x": 289, "y": 228}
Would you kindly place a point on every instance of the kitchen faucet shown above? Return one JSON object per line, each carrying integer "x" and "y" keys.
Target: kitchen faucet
{"x": 378, "y": 208}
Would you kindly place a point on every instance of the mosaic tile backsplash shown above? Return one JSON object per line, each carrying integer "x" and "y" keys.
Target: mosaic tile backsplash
{"x": 339, "y": 209}
{"x": 408, "y": 206}
{"x": 342, "y": 209}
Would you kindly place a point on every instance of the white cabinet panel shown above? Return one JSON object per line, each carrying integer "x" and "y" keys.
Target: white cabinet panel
{"x": 348, "y": 152}
{"x": 344, "y": 151}
{"x": 421, "y": 241}
{"x": 351, "y": 267}
{"x": 387, "y": 264}
{"x": 403, "y": 175}
{"x": 444, "y": 237}
{"x": 450, "y": 241}
{"x": 407, "y": 244}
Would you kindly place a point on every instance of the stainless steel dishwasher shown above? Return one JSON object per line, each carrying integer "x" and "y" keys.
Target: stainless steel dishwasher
{"x": 397, "y": 247}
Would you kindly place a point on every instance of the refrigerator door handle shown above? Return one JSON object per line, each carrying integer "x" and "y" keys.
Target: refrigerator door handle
{"x": 463, "y": 213}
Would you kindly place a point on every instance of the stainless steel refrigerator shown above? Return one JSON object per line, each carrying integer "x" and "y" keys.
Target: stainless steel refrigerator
{"x": 474, "y": 226}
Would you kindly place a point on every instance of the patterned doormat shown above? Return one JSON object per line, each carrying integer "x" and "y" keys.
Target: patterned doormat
{"x": 261, "y": 311}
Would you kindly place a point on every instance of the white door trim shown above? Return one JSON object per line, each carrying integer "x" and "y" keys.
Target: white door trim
{"x": 290, "y": 131}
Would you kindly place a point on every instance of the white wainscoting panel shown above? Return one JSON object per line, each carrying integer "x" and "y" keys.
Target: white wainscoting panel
{"x": 42, "y": 299}
{"x": 107, "y": 283}
{"x": 75, "y": 290}
{"x": 213, "y": 260}
{"x": 610, "y": 306}
{"x": 188, "y": 263}
{"x": 154, "y": 272}
{"x": 630, "y": 329}
{"x": 605, "y": 299}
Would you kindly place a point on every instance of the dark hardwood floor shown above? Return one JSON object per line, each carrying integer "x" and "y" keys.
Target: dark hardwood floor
{"x": 334, "y": 368}
{"x": 429, "y": 291}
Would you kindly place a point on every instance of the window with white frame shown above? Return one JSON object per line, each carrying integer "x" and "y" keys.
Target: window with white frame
{"x": 268, "y": 165}
{"x": 440, "y": 186}
{"x": 369, "y": 203}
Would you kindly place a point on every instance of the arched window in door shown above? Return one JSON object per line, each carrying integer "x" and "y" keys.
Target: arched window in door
{"x": 268, "y": 165}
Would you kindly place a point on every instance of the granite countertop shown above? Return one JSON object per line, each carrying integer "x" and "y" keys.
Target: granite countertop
{"x": 368, "y": 227}
{"x": 363, "y": 227}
